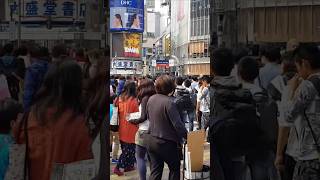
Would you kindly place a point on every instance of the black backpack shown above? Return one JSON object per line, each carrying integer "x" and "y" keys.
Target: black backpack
{"x": 183, "y": 100}
{"x": 233, "y": 123}
{"x": 267, "y": 112}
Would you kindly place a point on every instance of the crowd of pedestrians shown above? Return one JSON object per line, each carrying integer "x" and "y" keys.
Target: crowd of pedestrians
{"x": 54, "y": 106}
{"x": 167, "y": 107}
{"x": 260, "y": 115}
{"x": 264, "y": 123}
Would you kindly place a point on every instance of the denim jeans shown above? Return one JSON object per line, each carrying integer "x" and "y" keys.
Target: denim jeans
{"x": 141, "y": 153}
{"x": 189, "y": 117}
{"x": 262, "y": 166}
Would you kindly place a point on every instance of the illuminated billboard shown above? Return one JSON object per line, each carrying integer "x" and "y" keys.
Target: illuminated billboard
{"x": 127, "y": 15}
{"x": 127, "y": 45}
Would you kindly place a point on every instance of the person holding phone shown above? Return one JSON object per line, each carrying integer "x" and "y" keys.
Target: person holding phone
{"x": 302, "y": 110}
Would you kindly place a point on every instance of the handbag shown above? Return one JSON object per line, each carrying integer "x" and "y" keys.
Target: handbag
{"x": 19, "y": 155}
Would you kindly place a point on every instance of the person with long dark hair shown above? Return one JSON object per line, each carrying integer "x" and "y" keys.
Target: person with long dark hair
{"x": 96, "y": 108}
{"x": 117, "y": 23}
{"x": 126, "y": 103}
{"x": 146, "y": 89}
{"x": 57, "y": 130}
{"x": 166, "y": 130}
{"x": 135, "y": 22}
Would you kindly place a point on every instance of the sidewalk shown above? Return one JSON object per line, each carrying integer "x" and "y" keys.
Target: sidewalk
{"x": 135, "y": 176}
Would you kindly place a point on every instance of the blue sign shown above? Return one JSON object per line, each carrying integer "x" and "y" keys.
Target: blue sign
{"x": 32, "y": 8}
{"x": 50, "y": 8}
{"x": 68, "y": 8}
{"x": 127, "y": 15}
{"x": 124, "y": 64}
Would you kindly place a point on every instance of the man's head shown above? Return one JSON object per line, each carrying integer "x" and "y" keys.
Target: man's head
{"x": 205, "y": 80}
{"x": 179, "y": 81}
{"x": 38, "y": 52}
{"x": 221, "y": 62}
{"x": 9, "y": 111}
{"x": 8, "y": 49}
{"x": 307, "y": 60}
{"x": 187, "y": 83}
{"x": 248, "y": 69}
{"x": 58, "y": 51}
{"x": 270, "y": 54}
{"x": 292, "y": 44}
{"x": 239, "y": 53}
{"x": 194, "y": 78}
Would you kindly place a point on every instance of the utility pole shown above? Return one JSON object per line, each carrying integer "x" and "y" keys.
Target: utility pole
{"x": 219, "y": 12}
{"x": 19, "y": 23}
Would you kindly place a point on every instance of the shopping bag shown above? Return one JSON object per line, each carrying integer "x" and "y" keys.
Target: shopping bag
{"x": 135, "y": 115}
{"x": 4, "y": 89}
{"x": 16, "y": 162}
{"x": 80, "y": 170}
{"x": 114, "y": 123}
{"x": 18, "y": 154}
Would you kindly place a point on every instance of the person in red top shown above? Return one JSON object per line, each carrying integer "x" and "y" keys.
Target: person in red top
{"x": 57, "y": 131}
{"x": 126, "y": 103}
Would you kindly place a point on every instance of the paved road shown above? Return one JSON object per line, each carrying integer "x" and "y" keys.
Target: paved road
{"x": 134, "y": 174}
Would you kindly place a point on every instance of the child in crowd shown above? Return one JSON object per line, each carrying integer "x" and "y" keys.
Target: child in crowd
{"x": 9, "y": 111}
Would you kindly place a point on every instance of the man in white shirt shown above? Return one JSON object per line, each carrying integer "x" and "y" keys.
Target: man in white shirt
{"x": 204, "y": 102}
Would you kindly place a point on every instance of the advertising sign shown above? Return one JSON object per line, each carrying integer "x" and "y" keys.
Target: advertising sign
{"x": 39, "y": 10}
{"x": 163, "y": 63}
{"x": 127, "y": 15}
{"x": 126, "y": 45}
{"x": 126, "y": 64}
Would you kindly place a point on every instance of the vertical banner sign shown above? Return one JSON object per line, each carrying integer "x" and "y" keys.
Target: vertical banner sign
{"x": 127, "y": 15}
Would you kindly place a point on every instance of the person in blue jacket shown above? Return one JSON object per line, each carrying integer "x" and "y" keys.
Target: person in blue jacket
{"x": 35, "y": 74}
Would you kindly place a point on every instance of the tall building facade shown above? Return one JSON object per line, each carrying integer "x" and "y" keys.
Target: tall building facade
{"x": 191, "y": 36}
{"x": 266, "y": 21}
{"x": 198, "y": 55}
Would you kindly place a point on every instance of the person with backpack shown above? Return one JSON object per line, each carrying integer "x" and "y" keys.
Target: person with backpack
{"x": 260, "y": 160}
{"x": 302, "y": 109}
{"x": 8, "y": 67}
{"x": 184, "y": 103}
{"x": 233, "y": 129}
{"x": 191, "y": 112}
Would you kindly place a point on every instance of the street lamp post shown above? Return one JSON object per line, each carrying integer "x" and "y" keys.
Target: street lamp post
{"x": 19, "y": 23}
